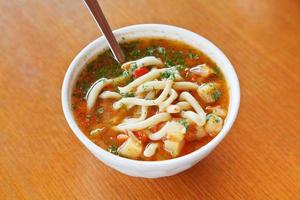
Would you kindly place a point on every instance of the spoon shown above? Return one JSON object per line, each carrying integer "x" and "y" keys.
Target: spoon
{"x": 99, "y": 17}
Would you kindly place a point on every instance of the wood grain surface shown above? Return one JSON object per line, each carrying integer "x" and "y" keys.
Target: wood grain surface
{"x": 40, "y": 158}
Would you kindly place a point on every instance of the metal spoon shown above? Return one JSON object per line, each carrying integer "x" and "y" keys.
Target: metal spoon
{"x": 99, "y": 17}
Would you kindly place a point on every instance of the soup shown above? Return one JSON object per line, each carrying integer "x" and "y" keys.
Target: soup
{"x": 166, "y": 101}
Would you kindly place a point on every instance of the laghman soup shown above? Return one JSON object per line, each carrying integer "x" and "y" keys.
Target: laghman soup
{"x": 166, "y": 101}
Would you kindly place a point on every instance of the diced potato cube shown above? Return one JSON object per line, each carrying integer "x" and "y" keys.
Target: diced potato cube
{"x": 175, "y": 136}
{"x": 209, "y": 92}
{"x": 175, "y": 131}
{"x": 217, "y": 110}
{"x": 131, "y": 148}
{"x": 200, "y": 132}
{"x": 213, "y": 124}
{"x": 202, "y": 70}
{"x": 173, "y": 147}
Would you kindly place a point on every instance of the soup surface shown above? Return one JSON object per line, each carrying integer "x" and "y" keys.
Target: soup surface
{"x": 168, "y": 100}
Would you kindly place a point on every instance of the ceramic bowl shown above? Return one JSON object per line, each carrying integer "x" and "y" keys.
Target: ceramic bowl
{"x": 151, "y": 169}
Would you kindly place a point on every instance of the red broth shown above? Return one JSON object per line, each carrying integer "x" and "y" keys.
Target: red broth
{"x": 104, "y": 116}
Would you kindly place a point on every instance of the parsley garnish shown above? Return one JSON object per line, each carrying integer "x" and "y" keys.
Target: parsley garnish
{"x": 214, "y": 117}
{"x": 109, "y": 71}
{"x": 217, "y": 71}
{"x": 207, "y": 117}
{"x": 193, "y": 56}
{"x": 150, "y": 51}
{"x": 185, "y": 123}
{"x": 88, "y": 117}
{"x": 144, "y": 87}
{"x": 99, "y": 113}
{"x": 126, "y": 74}
{"x": 161, "y": 50}
{"x": 169, "y": 74}
{"x": 169, "y": 62}
{"x": 85, "y": 86}
{"x": 113, "y": 149}
{"x": 181, "y": 67}
{"x": 217, "y": 120}
{"x": 216, "y": 95}
{"x": 132, "y": 67}
{"x": 90, "y": 67}
{"x": 135, "y": 53}
{"x": 100, "y": 110}
{"x": 179, "y": 60}
{"x": 129, "y": 94}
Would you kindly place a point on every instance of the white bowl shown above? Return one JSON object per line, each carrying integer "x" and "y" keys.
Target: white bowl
{"x": 152, "y": 169}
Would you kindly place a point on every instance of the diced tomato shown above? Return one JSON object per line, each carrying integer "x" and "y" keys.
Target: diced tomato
{"x": 141, "y": 136}
{"x": 192, "y": 77}
{"x": 191, "y": 133}
{"x": 156, "y": 127}
{"x": 121, "y": 138}
{"x": 140, "y": 72}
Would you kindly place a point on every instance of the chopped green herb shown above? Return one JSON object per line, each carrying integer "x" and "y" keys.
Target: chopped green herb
{"x": 179, "y": 61}
{"x": 177, "y": 58}
{"x": 144, "y": 87}
{"x": 100, "y": 110}
{"x": 128, "y": 77}
{"x": 184, "y": 122}
{"x": 193, "y": 56}
{"x": 136, "y": 53}
{"x": 217, "y": 120}
{"x": 88, "y": 117}
{"x": 117, "y": 90}
{"x": 113, "y": 149}
{"x": 216, "y": 95}
{"x": 150, "y": 51}
{"x": 126, "y": 74}
{"x": 169, "y": 74}
{"x": 207, "y": 117}
{"x": 90, "y": 67}
{"x": 129, "y": 94}
{"x": 132, "y": 67}
{"x": 161, "y": 50}
{"x": 99, "y": 113}
{"x": 211, "y": 85}
{"x": 169, "y": 62}
{"x": 181, "y": 67}
{"x": 85, "y": 85}
{"x": 102, "y": 71}
{"x": 216, "y": 70}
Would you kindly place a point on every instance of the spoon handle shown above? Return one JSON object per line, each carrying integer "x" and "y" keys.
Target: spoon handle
{"x": 99, "y": 17}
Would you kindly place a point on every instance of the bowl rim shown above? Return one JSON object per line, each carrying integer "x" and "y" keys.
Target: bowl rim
{"x": 130, "y": 162}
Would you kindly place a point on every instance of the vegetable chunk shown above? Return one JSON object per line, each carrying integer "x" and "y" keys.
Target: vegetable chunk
{"x": 175, "y": 138}
{"x": 209, "y": 92}
{"x": 202, "y": 70}
{"x": 213, "y": 124}
{"x": 173, "y": 147}
{"x": 132, "y": 148}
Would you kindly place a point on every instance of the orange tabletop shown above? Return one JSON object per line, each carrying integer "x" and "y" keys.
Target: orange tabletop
{"x": 40, "y": 157}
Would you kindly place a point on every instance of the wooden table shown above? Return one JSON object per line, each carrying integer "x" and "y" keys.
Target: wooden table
{"x": 40, "y": 158}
